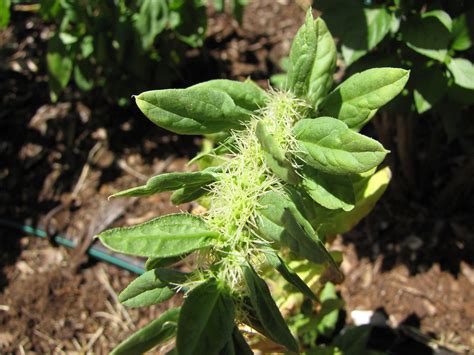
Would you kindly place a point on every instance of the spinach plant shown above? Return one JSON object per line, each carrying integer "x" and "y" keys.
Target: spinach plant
{"x": 292, "y": 169}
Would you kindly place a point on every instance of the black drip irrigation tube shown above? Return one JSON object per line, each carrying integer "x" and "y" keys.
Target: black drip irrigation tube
{"x": 96, "y": 251}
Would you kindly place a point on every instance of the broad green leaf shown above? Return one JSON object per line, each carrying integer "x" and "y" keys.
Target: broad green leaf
{"x": 192, "y": 110}
{"x": 327, "y": 144}
{"x": 267, "y": 311}
{"x": 359, "y": 97}
{"x": 170, "y": 182}
{"x": 312, "y": 60}
{"x": 280, "y": 221}
{"x": 4, "y": 13}
{"x": 461, "y": 38}
{"x": 358, "y": 28}
{"x": 368, "y": 191}
{"x": 165, "y": 236}
{"x": 330, "y": 306}
{"x": 463, "y": 72}
{"x": 378, "y": 24}
{"x": 207, "y": 320}
{"x": 153, "y": 334}
{"x": 330, "y": 191}
{"x": 426, "y": 35}
{"x": 246, "y": 95}
{"x": 150, "y": 288}
{"x": 187, "y": 194}
{"x": 275, "y": 156}
{"x": 430, "y": 85}
{"x": 153, "y": 263}
{"x": 442, "y": 17}
{"x": 60, "y": 65}
{"x": 289, "y": 275}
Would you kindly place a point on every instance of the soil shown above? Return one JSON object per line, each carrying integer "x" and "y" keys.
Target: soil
{"x": 59, "y": 163}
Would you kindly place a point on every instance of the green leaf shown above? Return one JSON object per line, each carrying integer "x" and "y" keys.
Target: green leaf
{"x": 207, "y": 320}
{"x": 165, "y": 236}
{"x": 312, "y": 61}
{"x": 329, "y": 145}
{"x": 289, "y": 275}
{"x": 427, "y": 35}
{"x": 267, "y": 311}
{"x": 275, "y": 156}
{"x": 368, "y": 191}
{"x": 240, "y": 344}
{"x": 153, "y": 263}
{"x": 170, "y": 182}
{"x": 246, "y": 95}
{"x": 84, "y": 75}
{"x": 4, "y": 13}
{"x": 359, "y": 29}
{"x": 279, "y": 220}
{"x": 150, "y": 288}
{"x": 330, "y": 191}
{"x": 442, "y": 17}
{"x": 378, "y": 25}
{"x": 279, "y": 81}
{"x": 153, "y": 334}
{"x": 463, "y": 72}
{"x": 60, "y": 65}
{"x": 188, "y": 194}
{"x": 430, "y": 85}
{"x": 359, "y": 97}
{"x": 461, "y": 38}
{"x": 192, "y": 110}
{"x": 151, "y": 20}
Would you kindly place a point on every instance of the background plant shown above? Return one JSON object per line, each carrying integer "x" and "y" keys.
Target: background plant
{"x": 433, "y": 40}
{"x": 121, "y": 46}
{"x": 292, "y": 170}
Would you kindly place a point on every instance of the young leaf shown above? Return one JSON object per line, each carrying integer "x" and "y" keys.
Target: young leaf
{"x": 329, "y": 145}
{"x": 187, "y": 194}
{"x": 192, "y": 110}
{"x": 267, "y": 311}
{"x": 153, "y": 334}
{"x": 170, "y": 182}
{"x": 275, "y": 156}
{"x": 207, "y": 320}
{"x": 247, "y": 95}
{"x": 463, "y": 72}
{"x": 312, "y": 60}
{"x": 147, "y": 289}
{"x": 289, "y": 275}
{"x": 280, "y": 221}
{"x": 165, "y": 236}
{"x": 153, "y": 263}
{"x": 330, "y": 191}
{"x": 358, "y": 98}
